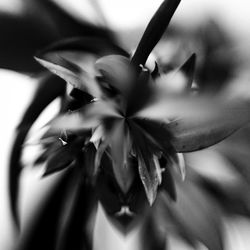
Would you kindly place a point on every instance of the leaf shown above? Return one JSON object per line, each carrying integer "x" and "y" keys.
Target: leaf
{"x": 120, "y": 148}
{"x": 42, "y": 231}
{"x": 65, "y": 155}
{"x": 77, "y": 232}
{"x": 98, "y": 46}
{"x": 160, "y": 134}
{"x": 50, "y": 148}
{"x": 50, "y": 88}
{"x": 196, "y": 215}
{"x": 100, "y": 152}
{"x": 154, "y": 31}
{"x": 233, "y": 199}
{"x": 195, "y": 134}
{"x": 89, "y": 155}
{"x": 146, "y": 163}
{"x": 58, "y": 161}
{"x": 198, "y": 122}
{"x": 71, "y": 73}
{"x": 39, "y": 24}
{"x": 108, "y": 191}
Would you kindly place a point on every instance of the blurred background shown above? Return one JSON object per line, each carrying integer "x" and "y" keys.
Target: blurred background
{"x": 218, "y": 31}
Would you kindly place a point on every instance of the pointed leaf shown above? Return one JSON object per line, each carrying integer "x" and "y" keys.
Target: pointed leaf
{"x": 195, "y": 134}
{"x": 71, "y": 73}
{"x": 146, "y": 164}
{"x": 198, "y": 122}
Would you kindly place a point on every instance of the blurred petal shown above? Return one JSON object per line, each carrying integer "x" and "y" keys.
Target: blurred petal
{"x": 72, "y": 122}
{"x": 86, "y": 118}
{"x": 196, "y": 215}
{"x": 117, "y": 71}
{"x": 120, "y": 148}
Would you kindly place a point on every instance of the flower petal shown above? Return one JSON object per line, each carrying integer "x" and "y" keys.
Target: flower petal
{"x": 86, "y": 118}
{"x": 71, "y": 73}
{"x": 120, "y": 148}
{"x": 147, "y": 166}
{"x": 117, "y": 71}
{"x": 196, "y": 215}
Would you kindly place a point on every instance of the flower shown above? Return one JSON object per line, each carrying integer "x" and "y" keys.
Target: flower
{"x": 132, "y": 116}
{"x": 122, "y": 130}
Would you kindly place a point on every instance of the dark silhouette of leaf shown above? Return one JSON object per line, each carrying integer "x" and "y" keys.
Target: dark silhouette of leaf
{"x": 50, "y": 149}
{"x": 89, "y": 162}
{"x": 154, "y": 31}
{"x": 50, "y": 88}
{"x": 100, "y": 46}
{"x": 42, "y": 232}
{"x": 76, "y": 231}
{"x": 108, "y": 190}
{"x": 67, "y": 59}
{"x": 40, "y": 24}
